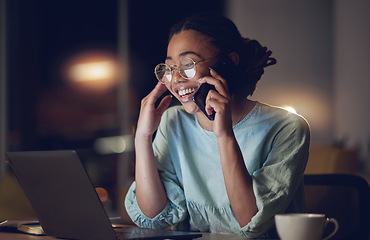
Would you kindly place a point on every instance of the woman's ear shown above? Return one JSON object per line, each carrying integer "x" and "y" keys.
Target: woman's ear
{"x": 234, "y": 57}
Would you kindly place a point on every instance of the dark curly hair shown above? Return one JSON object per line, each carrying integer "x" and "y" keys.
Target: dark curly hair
{"x": 253, "y": 58}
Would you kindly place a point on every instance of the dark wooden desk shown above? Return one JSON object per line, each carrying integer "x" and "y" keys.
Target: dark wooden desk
{"x": 19, "y": 236}
{"x": 6, "y": 235}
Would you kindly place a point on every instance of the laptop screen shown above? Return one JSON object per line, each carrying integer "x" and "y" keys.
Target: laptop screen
{"x": 65, "y": 201}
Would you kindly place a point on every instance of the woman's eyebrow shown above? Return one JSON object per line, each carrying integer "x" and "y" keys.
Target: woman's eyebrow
{"x": 189, "y": 52}
{"x": 184, "y": 54}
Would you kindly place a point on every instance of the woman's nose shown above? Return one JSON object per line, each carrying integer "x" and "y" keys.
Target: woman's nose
{"x": 176, "y": 76}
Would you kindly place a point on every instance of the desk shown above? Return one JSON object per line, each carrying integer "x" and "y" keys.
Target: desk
{"x": 217, "y": 236}
{"x": 21, "y": 236}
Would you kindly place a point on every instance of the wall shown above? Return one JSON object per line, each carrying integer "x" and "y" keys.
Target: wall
{"x": 352, "y": 75}
{"x": 323, "y": 63}
{"x": 299, "y": 34}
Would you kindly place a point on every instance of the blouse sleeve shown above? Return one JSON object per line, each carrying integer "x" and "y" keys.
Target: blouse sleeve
{"x": 277, "y": 184}
{"x": 175, "y": 210}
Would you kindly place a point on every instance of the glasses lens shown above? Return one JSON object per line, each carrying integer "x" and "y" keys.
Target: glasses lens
{"x": 187, "y": 67}
{"x": 163, "y": 73}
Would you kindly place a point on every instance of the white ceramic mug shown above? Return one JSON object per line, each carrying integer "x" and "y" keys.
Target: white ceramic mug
{"x": 303, "y": 226}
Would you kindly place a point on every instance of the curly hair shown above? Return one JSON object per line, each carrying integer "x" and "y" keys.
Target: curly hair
{"x": 253, "y": 58}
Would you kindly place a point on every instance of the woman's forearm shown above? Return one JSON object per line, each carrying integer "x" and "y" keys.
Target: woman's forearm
{"x": 150, "y": 193}
{"x": 238, "y": 182}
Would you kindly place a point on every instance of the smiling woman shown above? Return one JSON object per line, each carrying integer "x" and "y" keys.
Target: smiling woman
{"x": 230, "y": 174}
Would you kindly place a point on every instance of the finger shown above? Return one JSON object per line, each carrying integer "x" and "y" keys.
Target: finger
{"x": 213, "y": 106}
{"x": 214, "y": 99}
{"x": 158, "y": 90}
{"x": 217, "y": 81}
{"x": 154, "y": 95}
{"x": 221, "y": 79}
{"x": 216, "y": 96}
{"x": 220, "y": 108}
{"x": 163, "y": 105}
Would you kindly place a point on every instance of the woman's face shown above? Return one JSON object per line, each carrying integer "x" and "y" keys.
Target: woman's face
{"x": 197, "y": 46}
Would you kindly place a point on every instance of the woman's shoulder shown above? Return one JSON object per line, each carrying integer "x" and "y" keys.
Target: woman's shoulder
{"x": 281, "y": 115}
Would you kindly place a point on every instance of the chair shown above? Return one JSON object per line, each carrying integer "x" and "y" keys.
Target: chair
{"x": 344, "y": 197}
{"x": 331, "y": 160}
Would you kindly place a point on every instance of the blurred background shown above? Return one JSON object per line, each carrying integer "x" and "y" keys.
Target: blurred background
{"x": 72, "y": 74}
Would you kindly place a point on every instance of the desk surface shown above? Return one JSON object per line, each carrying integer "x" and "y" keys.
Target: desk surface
{"x": 6, "y": 235}
{"x": 19, "y": 236}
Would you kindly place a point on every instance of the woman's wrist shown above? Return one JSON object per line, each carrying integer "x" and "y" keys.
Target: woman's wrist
{"x": 142, "y": 138}
{"x": 226, "y": 139}
{"x": 225, "y": 135}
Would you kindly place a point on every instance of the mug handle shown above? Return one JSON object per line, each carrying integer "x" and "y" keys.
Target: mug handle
{"x": 336, "y": 226}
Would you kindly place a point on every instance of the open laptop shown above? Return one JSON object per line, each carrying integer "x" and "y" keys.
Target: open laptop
{"x": 65, "y": 201}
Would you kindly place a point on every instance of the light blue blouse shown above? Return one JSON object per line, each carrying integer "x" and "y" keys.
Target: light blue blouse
{"x": 274, "y": 144}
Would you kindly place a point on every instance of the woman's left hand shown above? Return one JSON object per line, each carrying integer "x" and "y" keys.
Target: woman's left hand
{"x": 220, "y": 102}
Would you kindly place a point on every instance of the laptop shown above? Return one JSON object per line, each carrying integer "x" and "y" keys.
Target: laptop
{"x": 65, "y": 200}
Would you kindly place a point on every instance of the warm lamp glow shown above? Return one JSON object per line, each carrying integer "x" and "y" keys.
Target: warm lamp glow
{"x": 92, "y": 71}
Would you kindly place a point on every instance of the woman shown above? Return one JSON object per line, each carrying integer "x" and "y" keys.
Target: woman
{"x": 229, "y": 175}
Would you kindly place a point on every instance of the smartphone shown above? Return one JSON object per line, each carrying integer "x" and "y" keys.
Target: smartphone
{"x": 200, "y": 96}
{"x": 227, "y": 69}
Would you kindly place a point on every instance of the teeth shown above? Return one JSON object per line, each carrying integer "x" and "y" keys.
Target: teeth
{"x": 187, "y": 91}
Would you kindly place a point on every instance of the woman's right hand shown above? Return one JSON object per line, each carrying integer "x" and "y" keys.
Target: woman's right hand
{"x": 148, "y": 183}
{"x": 150, "y": 116}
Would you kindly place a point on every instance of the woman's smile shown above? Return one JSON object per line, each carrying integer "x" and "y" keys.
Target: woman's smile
{"x": 185, "y": 94}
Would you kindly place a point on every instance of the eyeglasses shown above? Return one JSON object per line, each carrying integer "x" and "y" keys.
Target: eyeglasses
{"x": 186, "y": 68}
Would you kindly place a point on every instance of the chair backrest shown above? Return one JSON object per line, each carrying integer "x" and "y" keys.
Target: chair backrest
{"x": 341, "y": 196}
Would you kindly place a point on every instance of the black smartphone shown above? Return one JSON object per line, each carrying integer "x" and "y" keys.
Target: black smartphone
{"x": 227, "y": 69}
{"x": 200, "y": 96}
